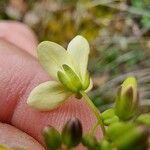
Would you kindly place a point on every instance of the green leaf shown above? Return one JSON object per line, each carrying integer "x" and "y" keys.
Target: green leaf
{"x": 79, "y": 49}
{"x": 52, "y": 56}
{"x": 47, "y": 96}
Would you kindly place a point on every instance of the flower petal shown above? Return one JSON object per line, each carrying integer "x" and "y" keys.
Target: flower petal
{"x": 79, "y": 49}
{"x": 47, "y": 96}
{"x": 52, "y": 56}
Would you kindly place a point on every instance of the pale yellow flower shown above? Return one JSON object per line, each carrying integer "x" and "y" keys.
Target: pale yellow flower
{"x": 68, "y": 69}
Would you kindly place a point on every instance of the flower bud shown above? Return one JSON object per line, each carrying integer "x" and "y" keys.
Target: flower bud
{"x": 116, "y": 130}
{"x": 72, "y": 133}
{"x": 90, "y": 141}
{"x": 128, "y": 136}
{"x": 69, "y": 79}
{"x": 109, "y": 117}
{"x": 144, "y": 119}
{"x": 127, "y": 100}
{"x": 136, "y": 138}
{"x": 52, "y": 138}
{"x": 105, "y": 145}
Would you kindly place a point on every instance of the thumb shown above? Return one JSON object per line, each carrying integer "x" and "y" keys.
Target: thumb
{"x": 21, "y": 73}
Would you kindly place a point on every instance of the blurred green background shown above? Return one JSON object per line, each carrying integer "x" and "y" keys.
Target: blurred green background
{"x": 118, "y": 32}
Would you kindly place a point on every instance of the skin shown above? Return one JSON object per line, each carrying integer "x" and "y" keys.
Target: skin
{"x": 20, "y": 73}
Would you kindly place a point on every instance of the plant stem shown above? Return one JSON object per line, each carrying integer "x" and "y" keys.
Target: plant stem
{"x": 94, "y": 109}
{"x": 92, "y": 131}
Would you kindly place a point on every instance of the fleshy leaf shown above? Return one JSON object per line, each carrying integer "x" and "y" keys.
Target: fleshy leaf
{"x": 52, "y": 56}
{"x": 47, "y": 96}
{"x": 79, "y": 49}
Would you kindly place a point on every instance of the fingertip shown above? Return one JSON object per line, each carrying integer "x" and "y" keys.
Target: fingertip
{"x": 20, "y": 35}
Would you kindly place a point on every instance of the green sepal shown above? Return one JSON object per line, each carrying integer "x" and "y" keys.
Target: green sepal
{"x": 86, "y": 81}
{"x": 73, "y": 77}
{"x": 69, "y": 79}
